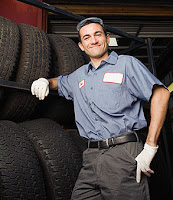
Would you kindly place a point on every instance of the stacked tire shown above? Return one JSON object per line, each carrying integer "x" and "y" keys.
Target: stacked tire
{"x": 26, "y": 54}
{"x": 9, "y": 37}
{"x": 33, "y": 61}
{"x": 20, "y": 171}
{"x": 59, "y": 157}
{"x": 39, "y": 159}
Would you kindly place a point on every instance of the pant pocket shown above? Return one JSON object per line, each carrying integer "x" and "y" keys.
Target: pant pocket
{"x": 132, "y": 149}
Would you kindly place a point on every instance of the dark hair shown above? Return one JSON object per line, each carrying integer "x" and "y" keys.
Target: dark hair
{"x": 89, "y": 22}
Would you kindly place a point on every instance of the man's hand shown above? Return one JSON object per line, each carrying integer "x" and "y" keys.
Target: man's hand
{"x": 143, "y": 161}
{"x": 40, "y": 88}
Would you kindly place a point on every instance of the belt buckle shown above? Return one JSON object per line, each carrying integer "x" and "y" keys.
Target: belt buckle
{"x": 105, "y": 146}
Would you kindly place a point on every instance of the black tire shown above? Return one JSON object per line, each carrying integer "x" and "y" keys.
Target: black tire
{"x": 67, "y": 58}
{"x": 33, "y": 64}
{"x": 80, "y": 142}
{"x": 60, "y": 158}
{"x": 58, "y": 109}
{"x": 9, "y": 47}
{"x": 9, "y": 51}
{"x": 20, "y": 172}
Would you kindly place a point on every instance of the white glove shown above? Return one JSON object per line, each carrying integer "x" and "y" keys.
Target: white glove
{"x": 143, "y": 161}
{"x": 40, "y": 88}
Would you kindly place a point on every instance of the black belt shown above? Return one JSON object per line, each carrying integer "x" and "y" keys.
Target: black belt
{"x": 123, "y": 138}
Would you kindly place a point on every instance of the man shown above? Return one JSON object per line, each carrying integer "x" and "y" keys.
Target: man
{"x": 107, "y": 95}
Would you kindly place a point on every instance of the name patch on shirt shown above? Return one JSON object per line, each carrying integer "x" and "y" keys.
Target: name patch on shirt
{"x": 81, "y": 83}
{"x": 113, "y": 77}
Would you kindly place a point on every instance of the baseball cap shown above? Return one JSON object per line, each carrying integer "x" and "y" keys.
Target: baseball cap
{"x": 90, "y": 20}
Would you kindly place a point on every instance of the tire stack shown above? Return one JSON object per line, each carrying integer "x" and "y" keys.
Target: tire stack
{"x": 26, "y": 54}
{"x": 21, "y": 176}
{"x": 32, "y": 61}
{"x": 38, "y": 159}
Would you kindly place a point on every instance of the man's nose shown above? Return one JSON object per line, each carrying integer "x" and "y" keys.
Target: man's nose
{"x": 93, "y": 40}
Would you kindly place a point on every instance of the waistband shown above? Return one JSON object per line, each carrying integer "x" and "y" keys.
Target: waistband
{"x": 120, "y": 139}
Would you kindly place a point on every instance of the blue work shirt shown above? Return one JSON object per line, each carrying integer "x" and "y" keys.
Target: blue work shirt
{"x": 107, "y": 100}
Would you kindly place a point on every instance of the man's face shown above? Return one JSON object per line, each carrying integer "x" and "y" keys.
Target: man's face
{"x": 93, "y": 40}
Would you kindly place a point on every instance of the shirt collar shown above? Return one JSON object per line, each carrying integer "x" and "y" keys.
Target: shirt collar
{"x": 112, "y": 59}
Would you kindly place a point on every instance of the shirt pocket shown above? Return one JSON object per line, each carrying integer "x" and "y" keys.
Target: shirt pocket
{"x": 108, "y": 96}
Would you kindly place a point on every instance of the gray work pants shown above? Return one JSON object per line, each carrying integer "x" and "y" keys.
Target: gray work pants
{"x": 110, "y": 174}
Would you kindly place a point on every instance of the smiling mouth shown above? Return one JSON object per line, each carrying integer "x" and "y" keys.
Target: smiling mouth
{"x": 95, "y": 46}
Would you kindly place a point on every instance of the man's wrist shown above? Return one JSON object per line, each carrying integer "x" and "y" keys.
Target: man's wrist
{"x": 151, "y": 140}
{"x": 147, "y": 146}
{"x": 152, "y": 144}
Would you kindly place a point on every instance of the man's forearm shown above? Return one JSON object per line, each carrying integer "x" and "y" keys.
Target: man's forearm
{"x": 53, "y": 83}
{"x": 158, "y": 110}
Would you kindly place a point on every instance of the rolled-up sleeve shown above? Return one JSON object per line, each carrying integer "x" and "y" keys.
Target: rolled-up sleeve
{"x": 65, "y": 86}
{"x": 140, "y": 80}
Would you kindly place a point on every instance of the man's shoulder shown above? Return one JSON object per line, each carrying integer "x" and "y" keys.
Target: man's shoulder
{"x": 127, "y": 60}
{"x": 125, "y": 57}
{"x": 82, "y": 69}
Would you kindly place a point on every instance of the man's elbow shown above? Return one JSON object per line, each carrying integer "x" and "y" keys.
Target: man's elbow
{"x": 165, "y": 94}
{"x": 161, "y": 92}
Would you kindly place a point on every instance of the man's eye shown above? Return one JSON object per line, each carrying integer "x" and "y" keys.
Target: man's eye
{"x": 98, "y": 34}
{"x": 86, "y": 38}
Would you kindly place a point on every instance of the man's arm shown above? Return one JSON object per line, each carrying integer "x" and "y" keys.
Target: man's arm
{"x": 158, "y": 110}
{"x": 53, "y": 83}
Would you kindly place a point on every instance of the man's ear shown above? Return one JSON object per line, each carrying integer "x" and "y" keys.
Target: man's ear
{"x": 80, "y": 46}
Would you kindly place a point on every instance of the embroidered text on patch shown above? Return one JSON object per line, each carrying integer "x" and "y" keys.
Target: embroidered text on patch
{"x": 81, "y": 83}
{"x": 113, "y": 77}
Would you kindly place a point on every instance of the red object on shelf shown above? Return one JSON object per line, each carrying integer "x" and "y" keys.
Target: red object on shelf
{"x": 20, "y": 12}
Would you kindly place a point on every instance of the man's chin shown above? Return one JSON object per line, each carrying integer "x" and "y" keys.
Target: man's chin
{"x": 95, "y": 55}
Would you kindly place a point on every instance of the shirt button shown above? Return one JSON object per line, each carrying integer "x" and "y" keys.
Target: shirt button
{"x": 91, "y": 88}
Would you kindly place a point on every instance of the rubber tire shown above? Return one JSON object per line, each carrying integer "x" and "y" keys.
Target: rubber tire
{"x": 34, "y": 63}
{"x": 9, "y": 51}
{"x": 20, "y": 172}
{"x": 68, "y": 55}
{"x": 58, "y": 109}
{"x": 67, "y": 58}
{"x": 80, "y": 142}
{"x": 9, "y": 47}
{"x": 60, "y": 158}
